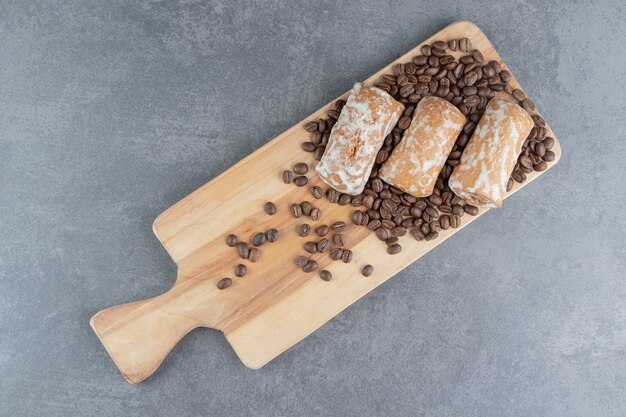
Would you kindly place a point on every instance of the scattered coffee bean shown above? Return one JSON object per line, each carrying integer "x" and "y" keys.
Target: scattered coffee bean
{"x": 310, "y": 247}
{"x": 323, "y": 245}
{"x": 338, "y": 226}
{"x": 394, "y": 249}
{"x": 301, "y": 181}
{"x": 326, "y": 275}
{"x": 322, "y": 230}
{"x": 259, "y": 239}
{"x": 310, "y": 266}
{"x": 344, "y": 200}
{"x": 336, "y": 254}
{"x": 301, "y": 261}
{"x": 444, "y": 222}
{"x": 296, "y": 210}
{"x": 398, "y": 231}
{"x": 432, "y": 235}
{"x": 306, "y": 207}
{"x": 308, "y": 146}
{"x": 315, "y": 214}
{"x": 254, "y": 255}
{"x": 242, "y": 250}
{"x": 338, "y": 240}
{"x": 357, "y": 217}
{"x": 300, "y": 168}
{"x": 288, "y": 176}
{"x": 391, "y": 240}
{"x": 367, "y": 270}
{"x": 455, "y": 221}
{"x": 471, "y": 210}
{"x": 317, "y": 192}
{"x": 231, "y": 240}
{"x": 241, "y": 270}
{"x": 332, "y": 195}
{"x": 382, "y": 233}
{"x": 346, "y": 256}
{"x": 272, "y": 235}
{"x": 304, "y": 230}
{"x": 270, "y": 208}
{"x": 224, "y": 283}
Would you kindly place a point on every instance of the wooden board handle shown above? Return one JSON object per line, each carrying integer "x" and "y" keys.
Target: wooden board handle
{"x": 139, "y": 335}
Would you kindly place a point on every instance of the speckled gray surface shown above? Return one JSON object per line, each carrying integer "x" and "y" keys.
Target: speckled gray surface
{"x": 112, "y": 111}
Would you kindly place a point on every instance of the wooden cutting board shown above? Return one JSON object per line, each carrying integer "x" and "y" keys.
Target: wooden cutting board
{"x": 275, "y": 305}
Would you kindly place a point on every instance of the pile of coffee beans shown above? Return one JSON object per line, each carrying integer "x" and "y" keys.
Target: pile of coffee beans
{"x": 467, "y": 82}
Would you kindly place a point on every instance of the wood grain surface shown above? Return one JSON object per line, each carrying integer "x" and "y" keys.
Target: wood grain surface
{"x": 276, "y": 304}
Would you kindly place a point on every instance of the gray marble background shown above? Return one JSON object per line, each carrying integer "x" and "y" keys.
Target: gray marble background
{"x": 111, "y": 111}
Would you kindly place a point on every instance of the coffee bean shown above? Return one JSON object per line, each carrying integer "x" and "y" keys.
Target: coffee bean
{"x": 338, "y": 240}
{"x": 509, "y": 184}
{"x": 548, "y": 143}
{"x": 435, "y": 226}
{"x": 306, "y": 207}
{"x": 373, "y": 225}
{"x": 270, "y": 208}
{"x": 478, "y": 56}
{"x": 519, "y": 176}
{"x": 357, "y": 200}
{"x": 259, "y": 239}
{"x": 322, "y": 230}
{"x": 432, "y": 235}
{"x": 471, "y": 210}
{"x": 392, "y": 240}
{"x": 272, "y": 235}
{"x": 308, "y": 146}
{"x": 296, "y": 210}
{"x": 453, "y": 44}
{"x": 388, "y": 224}
{"x": 528, "y": 105}
{"x": 377, "y": 185}
{"x": 241, "y": 270}
{"x": 435, "y": 199}
{"x": 300, "y": 168}
{"x": 357, "y": 217}
{"x": 336, "y": 254}
{"x": 398, "y": 231}
{"x": 382, "y": 233}
{"x": 367, "y": 270}
{"x": 394, "y": 249}
{"x": 323, "y": 245}
{"x": 458, "y": 210}
{"x": 318, "y": 153}
{"x": 315, "y": 214}
{"x": 525, "y": 161}
{"x": 440, "y": 45}
{"x": 231, "y": 240}
{"x": 242, "y": 250}
{"x": 519, "y": 94}
{"x": 455, "y": 221}
{"x": 301, "y": 181}
{"x": 254, "y": 255}
{"x": 444, "y": 222}
{"x": 465, "y": 45}
{"x": 310, "y": 247}
{"x": 417, "y": 234}
{"x": 310, "y": 266}
{"x": 549, "y": 156}
{"x": 317, "y": 192}
{"x": 301, "y": 261}
{"x": 541, "y": 166}
{"x": 288, "y": 176}
{"x": 326, "y": 275}
{"x": 344, "y": 200}
{"x": 432, "y": 212}
{"x": 310, "y": 126}
{"x": 304, "y": 230}
{"x": 338, "y": 226}
{"x": 404, "y": 122}
{"x": 224, "y": 283}
{"x": 332, "y": 195}
{"x": 346, "y": 257}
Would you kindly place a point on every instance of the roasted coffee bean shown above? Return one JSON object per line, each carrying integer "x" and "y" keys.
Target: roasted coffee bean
{"x": 377, "y": 185}
{"x": 321, "y": 125}
{"x": 528, "y": 105}
{"x": 332, "y": 195}
{"x": 326, "y": 275}
{"x": 373, "y": 225}
{"x": 388, "y": 224}
{"x": 272, "y": 235}
{"x": 259, "y": 239}
{"x": 316, "y": 138}
{"x": 478, "y": 56}
{"x": 306, "y": 207}
{"x": 231, "y": 240}
{"x": 432, "y": 212}
{"x": 541, "y": 166}
{"x": 323, "y": 245}
{"x": 270, "y": 208}
{"x": 346, "y": 256}
{"x": 519, "y": 94}
{"x": 382, "y": 233}
{"x": 417, "y": 234}
{"x": 465, "y": 45}
{"x": 398, "y": 231}
{"x": 310, "y": 126}
{"x": 319, "y": 152}
{"x": 444, "y": 222}
{"x": 357, "y": 200}
{"x": 407, "y": 223}
{"x": 304, "y": 230}
{"x": 404, "y": 122}
{"x": 301, "y": 261}
{"x": 548, "y": 143}
{"x": 440, "y": 45}
{"x": 338, "y": 226}
{"x": 505, "y": 76}
{"x": 471, "y": 210}
{"x": 254, "y": 255}
{"x": 336, "y": 254}
{"x": 458, "y": 210}
{"x": 435, "y": 226}
{"x": 224, "y": 283}
{"x": 315, "y": 214}
{"x": 301, "y": 181}
{"x": 509, "y": 184}
{"x": 394, "y": 249}
{"x": 339, "y": 240}
{"x": 308, "y": 146}
{"x": 455, "y": 221}
{"x": 296, "y": 210}
{"x": 357, "y": 217}
{"x": 549, "y": 156}
{"x": 453, "y": 44}
{"x": 241, "y": 270}
{"x": 367, "y": 270}
{"x": 519, "y": 176}
{"x": 288, "y": 176}
{"x": 310, "y": 266}
{"x": 415, "y": 212}
{"x": 310, "y": 247}
{"x": 435, "y": 199}
{"x": 344, "y": 200}
{"x": 322, "y": 230}
{"x": 426, "y": 50}
{"x": 317, "y": 192}
{"x": 242, "y": 250}
{"x": 525, "y": 161}
{"x": 300, "y": 168}
{"x": 432, "y": 235}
